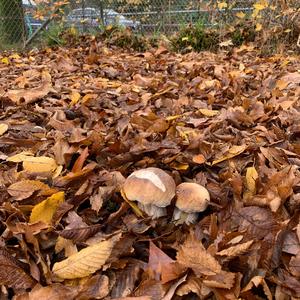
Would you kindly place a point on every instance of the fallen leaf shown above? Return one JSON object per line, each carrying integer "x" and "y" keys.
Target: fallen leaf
{"x": 235, "y": 250}
{"x": 232, "y": 152}
{"x": 45, "y": 210}
{"x": 78, "y": 165}
{"x": 26, "y": 96}
{"x": 75, "y": 97}
{"x": 41, "y": 164}
{"x": 193, "y": 255}
{"x": 14, "y": 276}
{"x": 251, "y": 178}
{"x": 25, "y": 188}
{"x": 3, "y": 128}
{"x": 86, "y": 262}
{"x": 161, "y": 266}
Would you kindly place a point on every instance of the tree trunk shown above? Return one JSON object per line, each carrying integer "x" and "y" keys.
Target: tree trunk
{"x": 12, "y": 26}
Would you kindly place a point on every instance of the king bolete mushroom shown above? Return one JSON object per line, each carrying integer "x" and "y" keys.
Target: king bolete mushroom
{"x": 192, "y": 198}
{"x": 152, "y": 188}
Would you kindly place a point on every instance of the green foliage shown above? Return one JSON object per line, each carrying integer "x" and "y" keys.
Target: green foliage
{"x": 195, "y": 37}
{"x": 53, "y": 36}
{"x": 243, "y": 32}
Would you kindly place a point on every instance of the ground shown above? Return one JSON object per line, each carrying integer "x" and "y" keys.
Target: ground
{"x": 76, "y": 121}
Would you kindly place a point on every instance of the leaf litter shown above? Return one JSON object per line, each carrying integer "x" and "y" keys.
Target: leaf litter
{"x": 76, "y": 122}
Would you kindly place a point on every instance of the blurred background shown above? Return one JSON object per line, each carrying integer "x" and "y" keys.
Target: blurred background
{"x": 21, "y": 20}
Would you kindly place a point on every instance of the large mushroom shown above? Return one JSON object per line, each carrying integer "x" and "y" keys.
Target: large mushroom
{"x": 192, "y": 198}
{"x": 152, "y": 188}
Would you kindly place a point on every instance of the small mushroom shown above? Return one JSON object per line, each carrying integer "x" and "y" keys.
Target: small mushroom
{"x": 192, "y": 198}
{"x": 152, "y": 188}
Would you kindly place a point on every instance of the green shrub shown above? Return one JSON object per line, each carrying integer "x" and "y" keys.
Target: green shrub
{"x": 195, "y": 37}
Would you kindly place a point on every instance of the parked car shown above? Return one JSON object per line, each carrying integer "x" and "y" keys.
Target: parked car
{"x": 92, "y": 17}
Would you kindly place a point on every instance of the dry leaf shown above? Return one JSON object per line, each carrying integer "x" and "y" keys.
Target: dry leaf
{"x": 45, "y": 210}
{"x": 193, "y": 255}
{"x": 13, "y": 276}
{"x": 31, "y": 95}
{"x": 208, "y": 112}
{"x": 251, "y": 177}
{"x": 41, "y": 164}
{"x": 235, "y": 250}
{"x": 232, "y": 152}
{"x": 25, "y": 188}
{"x": 86, "y": 262}
{"x": 3, "y": 128}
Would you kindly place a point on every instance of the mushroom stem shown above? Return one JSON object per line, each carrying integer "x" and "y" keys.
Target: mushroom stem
{"x": 181, "y": 217}
{"x": 153, "y": 210}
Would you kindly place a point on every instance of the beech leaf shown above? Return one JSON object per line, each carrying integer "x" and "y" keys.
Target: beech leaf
{"x": 193, "y": 255}
{"x": 86, "y": 262}
{"x": 45, "y": 210}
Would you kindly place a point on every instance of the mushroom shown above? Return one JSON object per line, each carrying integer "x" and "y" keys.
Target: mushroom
{"x": 152, "y": 188}
{"x": 192, "y": 198}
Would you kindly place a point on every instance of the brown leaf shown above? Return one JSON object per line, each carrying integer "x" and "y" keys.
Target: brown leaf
{"x": 224, "y": 280}
{"x": 255, "y": 282}
{"x": 193, "y": 255}
{"x": 55, "y": 291}
{"x": 31, "y": 95}
{"x": 127, "y": 278}
{"x": 25, "y": 188}
{"x": 96, "y": 287}
{"x": 235, "y": 250}
{"x": 295, "y": 265}
{"x": 161, "y": 266}
{"x": 14, "y": 275}
{"x": 78, "y": 165}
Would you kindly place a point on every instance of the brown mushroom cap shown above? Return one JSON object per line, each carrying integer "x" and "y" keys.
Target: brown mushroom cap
{"x": 192, "y": 197}
{"x": 150, "y": 186}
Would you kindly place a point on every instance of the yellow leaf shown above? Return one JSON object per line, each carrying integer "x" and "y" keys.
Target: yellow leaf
{"x": 172, "y": 118}
{"x": 186, "y": 38}
{"x": 134, "y": 207}
{"x": 251, "y": 177}
{"x": 241, "y": 15}
{"x": 258, "y": 27}
{"x": 222, "y": 5}
{"x": 208, "y": 112}
{"x": 89, "y": 97}
{"x": 179, "y": 166}
{"x": 232, "y": 152}
{"x": 86, "y": 262}
{"x": 3, "y": 128}
{"x": 45, "y": 210}
{"x": 260, "y": 5}
{"x": 5, "y": 60}
{"x": 15, "y": 56}
{"x": 41, "y": 164}
{"x": 75, "y": 97}
{"x": 19, "y": 157}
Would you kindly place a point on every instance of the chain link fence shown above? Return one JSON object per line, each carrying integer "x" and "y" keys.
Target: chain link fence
{"x": 20, "y": 20}
{"x": 148, "y": 16}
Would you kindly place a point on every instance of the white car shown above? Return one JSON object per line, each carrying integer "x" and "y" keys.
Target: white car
{"x": 92, "y": 17}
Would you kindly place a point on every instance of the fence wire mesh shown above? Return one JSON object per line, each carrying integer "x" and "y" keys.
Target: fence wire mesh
{"x": 12, "y": 25}
{"x": 165, "y": 16}
{"x": 20, "y": 19}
